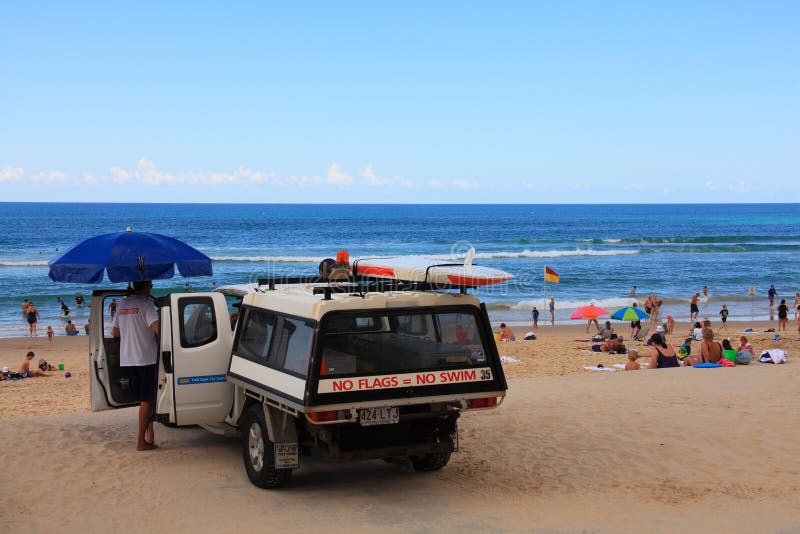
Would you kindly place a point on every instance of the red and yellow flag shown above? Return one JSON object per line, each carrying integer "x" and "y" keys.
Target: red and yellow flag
{"x": 550, "y": 275}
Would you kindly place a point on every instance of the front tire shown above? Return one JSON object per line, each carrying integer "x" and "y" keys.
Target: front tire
{"x": 258, "y": 452}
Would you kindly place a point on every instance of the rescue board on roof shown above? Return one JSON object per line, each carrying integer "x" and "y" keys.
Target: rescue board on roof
{"x": 421, "y": 269}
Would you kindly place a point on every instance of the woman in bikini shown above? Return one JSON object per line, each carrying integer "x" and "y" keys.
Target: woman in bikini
{"x": 663, "y": 355}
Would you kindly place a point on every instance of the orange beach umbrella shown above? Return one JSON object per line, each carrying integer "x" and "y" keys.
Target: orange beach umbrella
{"x": 588, "y": 312}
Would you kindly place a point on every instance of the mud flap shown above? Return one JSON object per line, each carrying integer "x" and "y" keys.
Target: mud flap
{"x": 282, "y": 432}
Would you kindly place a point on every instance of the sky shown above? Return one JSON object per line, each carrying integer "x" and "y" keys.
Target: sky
{"x": 397, "y": 102}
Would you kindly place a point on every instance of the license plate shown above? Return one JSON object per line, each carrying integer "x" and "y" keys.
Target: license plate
{"x": 378, "y": 416}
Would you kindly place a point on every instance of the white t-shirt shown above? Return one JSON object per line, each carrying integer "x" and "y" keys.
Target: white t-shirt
{"x": 138, "y": 345}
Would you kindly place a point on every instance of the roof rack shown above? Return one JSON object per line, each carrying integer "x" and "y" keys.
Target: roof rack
{"x": 359, "y": 285}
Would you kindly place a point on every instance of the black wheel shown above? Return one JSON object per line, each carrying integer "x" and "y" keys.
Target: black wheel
{"x": 258, "y": 452}
{"x": 430, "y": 462}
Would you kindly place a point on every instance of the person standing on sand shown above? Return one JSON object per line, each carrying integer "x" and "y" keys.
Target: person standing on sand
{"x": 694, "y": 311}
{"x": 535, "y": 317}
{"x": 723, "y": 313}
{"x": 136, "y": 324}
{"x": 32, "y": 316}
{"x": 50, "y": 334}
{"x": 112, "y": 308}
{"x": 796, "y": 306}
{"x": 552, "y": 311}
{"x": 783, "y": 315}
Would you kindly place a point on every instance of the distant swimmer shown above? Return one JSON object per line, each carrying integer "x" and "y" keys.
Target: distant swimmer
{"x": 705, "y": 292}
{"x": 633, "y": 291}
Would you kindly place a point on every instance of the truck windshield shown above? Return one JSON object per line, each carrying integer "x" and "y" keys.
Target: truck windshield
{"x": 392, "y": 342}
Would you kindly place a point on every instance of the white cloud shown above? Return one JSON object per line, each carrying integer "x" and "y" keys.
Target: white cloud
{"x": 435, "y": 183}
{"x": 50, "y": 177}
{"x": 741, "y": 187}
{"x": 372, "y": 178}
{"x": 9, "y": 173}
{"x": 633, "y": 187}
{"x": 257, "y": 177}
{"x": 463, "y": 184}
{"x": 336, "y": 176}
{"x": 709, "y": 185}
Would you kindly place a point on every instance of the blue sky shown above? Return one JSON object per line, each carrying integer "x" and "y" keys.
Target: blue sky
{"x": 400, "y": 102}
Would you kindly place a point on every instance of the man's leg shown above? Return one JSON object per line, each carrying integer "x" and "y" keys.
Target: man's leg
{"x": 145, "y": 428}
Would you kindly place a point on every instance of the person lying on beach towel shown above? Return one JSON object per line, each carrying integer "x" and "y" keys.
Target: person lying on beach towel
{"x": 614, "y": 344}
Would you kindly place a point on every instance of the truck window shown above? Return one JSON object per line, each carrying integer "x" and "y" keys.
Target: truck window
{"x": 295, "y": 343}
{"x": 256, "y": 335}
{"x": 198, "y": 321}
{"x": 408, "y": 341}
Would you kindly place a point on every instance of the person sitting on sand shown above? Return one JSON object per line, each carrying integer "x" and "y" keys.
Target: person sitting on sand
{"x": 606, "y": 331}
{"x": 728, "y": 352}
{"x": 632, "y": 364}
{"x": 71, "y": 329}
{"x": 25, "y": 367}
{"x": 697, "y": 333}
{"x": 745, "y": 353}
{"x": 663, "y": 355}
{"x": 710, "y": 350}
{"x": 506, "y": 334}
{"x": 685, "y": 349}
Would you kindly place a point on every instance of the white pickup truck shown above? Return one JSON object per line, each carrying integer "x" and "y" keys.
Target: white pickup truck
{"x": 361, "y": 370}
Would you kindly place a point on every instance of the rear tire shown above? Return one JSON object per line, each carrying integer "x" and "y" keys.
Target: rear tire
{"x": 430, "y": 462}
{"x": 258, "y": 452}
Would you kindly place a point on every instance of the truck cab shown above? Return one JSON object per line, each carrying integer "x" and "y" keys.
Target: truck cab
{"x": 360, "y": 370}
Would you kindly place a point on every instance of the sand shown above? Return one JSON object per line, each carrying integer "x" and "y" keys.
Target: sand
{"x": 569, "y": 450}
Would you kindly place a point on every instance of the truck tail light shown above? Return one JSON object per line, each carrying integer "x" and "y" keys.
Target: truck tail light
{"x": 488, "y": 402}
{"x": 324, "y": 417}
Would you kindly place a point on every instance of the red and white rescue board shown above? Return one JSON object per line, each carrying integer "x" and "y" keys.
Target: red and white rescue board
{"x": 421, "y": 269}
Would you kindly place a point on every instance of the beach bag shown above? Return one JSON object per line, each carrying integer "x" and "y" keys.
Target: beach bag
{"x": 743, "y": 357}
{"x": 530, "y": 336}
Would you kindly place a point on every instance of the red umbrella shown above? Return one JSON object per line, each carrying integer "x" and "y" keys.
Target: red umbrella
{"x": 588, "y": 312}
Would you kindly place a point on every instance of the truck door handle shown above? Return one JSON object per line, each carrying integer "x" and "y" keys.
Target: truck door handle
{"x": 166, "y": 359}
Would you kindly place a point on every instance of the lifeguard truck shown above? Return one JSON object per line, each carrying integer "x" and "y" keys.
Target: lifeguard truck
{"x": 373, "y": 364}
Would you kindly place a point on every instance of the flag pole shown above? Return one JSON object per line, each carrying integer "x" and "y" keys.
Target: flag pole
{"x": 544, "y": 290}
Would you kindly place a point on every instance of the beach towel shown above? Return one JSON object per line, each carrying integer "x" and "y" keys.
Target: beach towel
{"x": 707, "y": 365}
{"x": 508, "y": 359}
{"x": 772, "y": 356}
{"x": 598, "y": 368}
{"x": 725, "y": 362}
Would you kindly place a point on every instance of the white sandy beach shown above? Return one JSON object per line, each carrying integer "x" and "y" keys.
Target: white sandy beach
{"x": 569, "y": 450}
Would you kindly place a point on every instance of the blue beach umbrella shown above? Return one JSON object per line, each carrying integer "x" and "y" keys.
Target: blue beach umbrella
{"x": 128, "y": 256}
{"x": 629, "y": 313}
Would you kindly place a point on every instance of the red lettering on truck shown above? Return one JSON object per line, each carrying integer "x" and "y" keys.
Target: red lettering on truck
{"x": 457, "y": 376}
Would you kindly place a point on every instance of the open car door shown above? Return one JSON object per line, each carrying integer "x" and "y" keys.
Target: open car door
{"x": 196, "y": 340}
{"x": 109, "y": 383}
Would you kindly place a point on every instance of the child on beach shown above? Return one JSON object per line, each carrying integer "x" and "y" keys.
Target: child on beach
{"x": 632, "y": 364}
{"x": 506, "y": 334}
{"x": 723, "y": 313}
{"x": 670, "y": 324}
{"x": 50, "y": 334}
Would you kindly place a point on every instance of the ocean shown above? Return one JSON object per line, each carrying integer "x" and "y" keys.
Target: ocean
{"x": 598, "y": 251}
